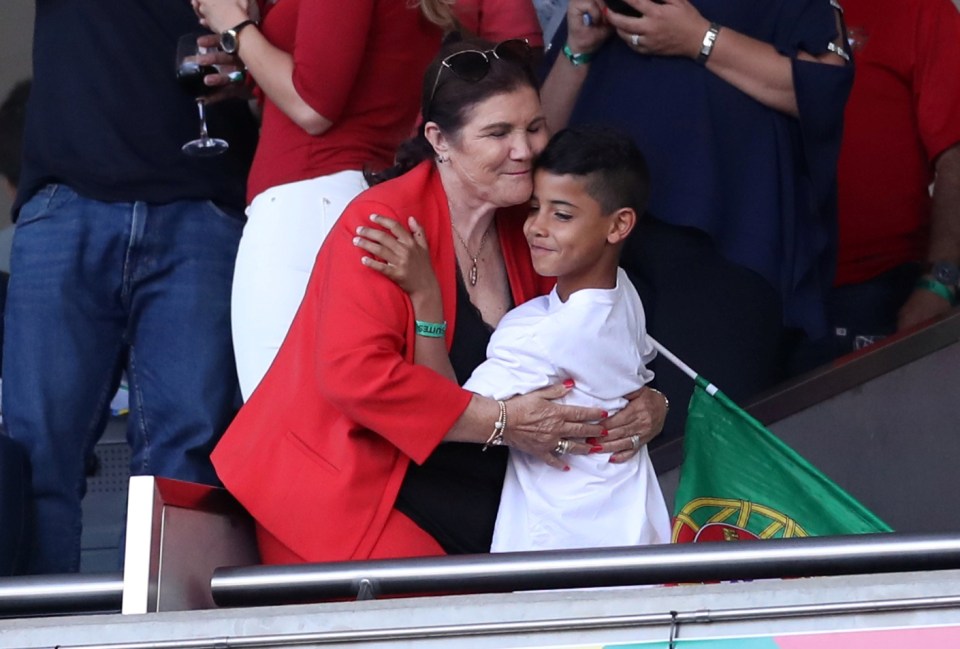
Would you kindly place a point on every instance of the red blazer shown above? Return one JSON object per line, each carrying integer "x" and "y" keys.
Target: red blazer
{"x": 318, "y": 453}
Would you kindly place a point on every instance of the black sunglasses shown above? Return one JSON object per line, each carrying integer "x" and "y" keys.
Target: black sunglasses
{"x": 473, "y": 65}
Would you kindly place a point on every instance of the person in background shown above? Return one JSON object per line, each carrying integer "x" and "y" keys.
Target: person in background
{"x": 589, "y": 187}
{"x": 338, "y": 83}
{"x": 550, "y": 13}
{"x": 500, "y": 20}
{"x": 738, "y": 109}
{"x": 122, "y": 259}
{"x": 348, "y": 449}
{"x": 899, "y": 253}
{"x": 12, "y": 113}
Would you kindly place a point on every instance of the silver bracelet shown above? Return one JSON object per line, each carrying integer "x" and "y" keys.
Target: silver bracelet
{"x": 666, "y": 401}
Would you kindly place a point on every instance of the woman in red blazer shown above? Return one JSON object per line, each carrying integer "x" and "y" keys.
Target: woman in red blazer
{"x": 338, "y": 453}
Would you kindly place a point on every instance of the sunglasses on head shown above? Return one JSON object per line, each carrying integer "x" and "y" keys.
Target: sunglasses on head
{"x": 473, "y": 65}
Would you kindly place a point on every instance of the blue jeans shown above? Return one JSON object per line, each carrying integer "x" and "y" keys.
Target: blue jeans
{"x": 99, "y": 288}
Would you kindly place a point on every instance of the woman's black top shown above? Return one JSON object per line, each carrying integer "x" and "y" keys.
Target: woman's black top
{"x": 455, "y": 494}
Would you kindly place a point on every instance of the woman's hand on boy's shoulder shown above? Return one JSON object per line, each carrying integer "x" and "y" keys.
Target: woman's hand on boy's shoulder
{"x": 400, "y": 254}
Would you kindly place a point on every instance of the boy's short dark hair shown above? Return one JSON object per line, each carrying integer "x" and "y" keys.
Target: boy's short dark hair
{"x": 12, "y": 114}
{"x": 615, "y": 172}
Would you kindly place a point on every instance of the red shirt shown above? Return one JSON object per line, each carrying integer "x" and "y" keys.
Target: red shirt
{"x": 360, "y": 64}
{"x": 500, "y": 20}
{"x": 903, "y": 112}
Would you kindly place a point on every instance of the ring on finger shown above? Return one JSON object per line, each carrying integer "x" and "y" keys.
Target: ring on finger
{"x": 562, "y": 447}
{"x": 237, "y": 76}
{"x": 635, "y": 40}
{"x": 635, "y": 442}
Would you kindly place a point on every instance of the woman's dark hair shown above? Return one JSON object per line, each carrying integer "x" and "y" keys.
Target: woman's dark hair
{"x": 452, "y": 98}
{"x": 613, "y": 169}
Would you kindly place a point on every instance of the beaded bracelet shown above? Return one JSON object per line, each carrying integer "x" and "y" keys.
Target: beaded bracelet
{"x": 431, "y": 329}
{"x": 499, "y": 427}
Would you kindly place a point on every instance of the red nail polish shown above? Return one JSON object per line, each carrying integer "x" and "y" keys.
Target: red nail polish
{"x": 566, "y": 468}
{"x": 611, "y": 460}
{"x": 568, "y": 383}
{"x": 604, "y": 433}
{"x": 593, "y": 441}
{"x": 604, "y": 415}
{"x": 596, "y": 449}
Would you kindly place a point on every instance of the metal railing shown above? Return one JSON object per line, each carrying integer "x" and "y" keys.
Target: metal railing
{"x": 668, "y": 619}
{"x": 874, "y": 553}
{"x": 60, "y": 594}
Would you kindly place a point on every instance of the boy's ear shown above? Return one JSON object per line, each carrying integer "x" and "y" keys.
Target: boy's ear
{"x": 621, "y": 224}
{"x": 436, "y": 138}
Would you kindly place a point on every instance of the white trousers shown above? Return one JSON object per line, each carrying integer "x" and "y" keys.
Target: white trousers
{"x": 286, "y": 226}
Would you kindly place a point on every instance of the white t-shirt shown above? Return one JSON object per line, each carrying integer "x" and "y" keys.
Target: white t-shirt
{"x": 598, "y": 339}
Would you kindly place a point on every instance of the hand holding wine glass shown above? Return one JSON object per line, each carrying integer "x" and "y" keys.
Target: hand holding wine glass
{"x": 190, "y": 74}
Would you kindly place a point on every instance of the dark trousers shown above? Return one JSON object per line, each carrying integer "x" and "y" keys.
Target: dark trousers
{"x": 721, "y": 319}
{"x": 14, "y": 498}
{"x": 858, "y": 315}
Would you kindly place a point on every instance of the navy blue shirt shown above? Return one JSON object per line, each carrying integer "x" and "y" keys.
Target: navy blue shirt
{"x": 107, "y": 117}
{"x": 762, "y": 184}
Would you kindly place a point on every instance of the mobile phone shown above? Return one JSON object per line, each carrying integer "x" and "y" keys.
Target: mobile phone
{"x": 621, "y": 7}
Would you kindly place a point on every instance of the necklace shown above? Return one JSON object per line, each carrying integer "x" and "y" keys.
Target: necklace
{"x": 474, "y": 258}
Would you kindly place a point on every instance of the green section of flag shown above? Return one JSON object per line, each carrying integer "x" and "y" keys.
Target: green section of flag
{"x": 737, "y": 475}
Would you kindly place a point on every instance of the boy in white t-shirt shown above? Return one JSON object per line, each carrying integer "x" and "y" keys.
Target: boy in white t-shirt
{"x": 590, "y": 185}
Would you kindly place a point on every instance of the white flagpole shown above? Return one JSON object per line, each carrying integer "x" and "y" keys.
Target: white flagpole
{"x": 683, "y": 367}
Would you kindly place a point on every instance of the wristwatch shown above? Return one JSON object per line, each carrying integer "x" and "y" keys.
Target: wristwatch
{"x": 706, "y": 47}
{"x": 941, "y": 278}
{"x": 229, "y": 40}
{"x": 944, "y": 272}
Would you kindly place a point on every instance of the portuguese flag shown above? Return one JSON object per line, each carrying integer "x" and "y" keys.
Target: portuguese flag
{"x": 740, "y": 482}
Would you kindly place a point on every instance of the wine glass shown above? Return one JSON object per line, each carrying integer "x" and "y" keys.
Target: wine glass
{"x": 190, "y": 74}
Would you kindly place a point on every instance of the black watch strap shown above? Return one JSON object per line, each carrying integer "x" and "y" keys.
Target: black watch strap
{"x": 239, "y": 28}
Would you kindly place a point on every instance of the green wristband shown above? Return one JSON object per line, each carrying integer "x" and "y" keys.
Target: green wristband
{"x": 431, "y": 329}
{"x": 932, "y": 285}
{"x": 575, "y": 58}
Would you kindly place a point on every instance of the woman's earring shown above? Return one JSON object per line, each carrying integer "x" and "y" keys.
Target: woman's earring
{"x": 442, "y": 158}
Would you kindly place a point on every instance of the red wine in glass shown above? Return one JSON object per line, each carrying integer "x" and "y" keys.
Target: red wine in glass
{"x": 190, "y": 74}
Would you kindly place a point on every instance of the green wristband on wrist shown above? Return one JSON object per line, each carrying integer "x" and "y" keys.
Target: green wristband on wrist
{"x": 932, "y": 285}
{"x": 577, "y": 58}
{"x": 431, "y": 329}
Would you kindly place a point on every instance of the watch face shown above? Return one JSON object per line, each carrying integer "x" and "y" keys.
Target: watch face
{"x": 228, "y": 42}
{"x": 946, "y": 273}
